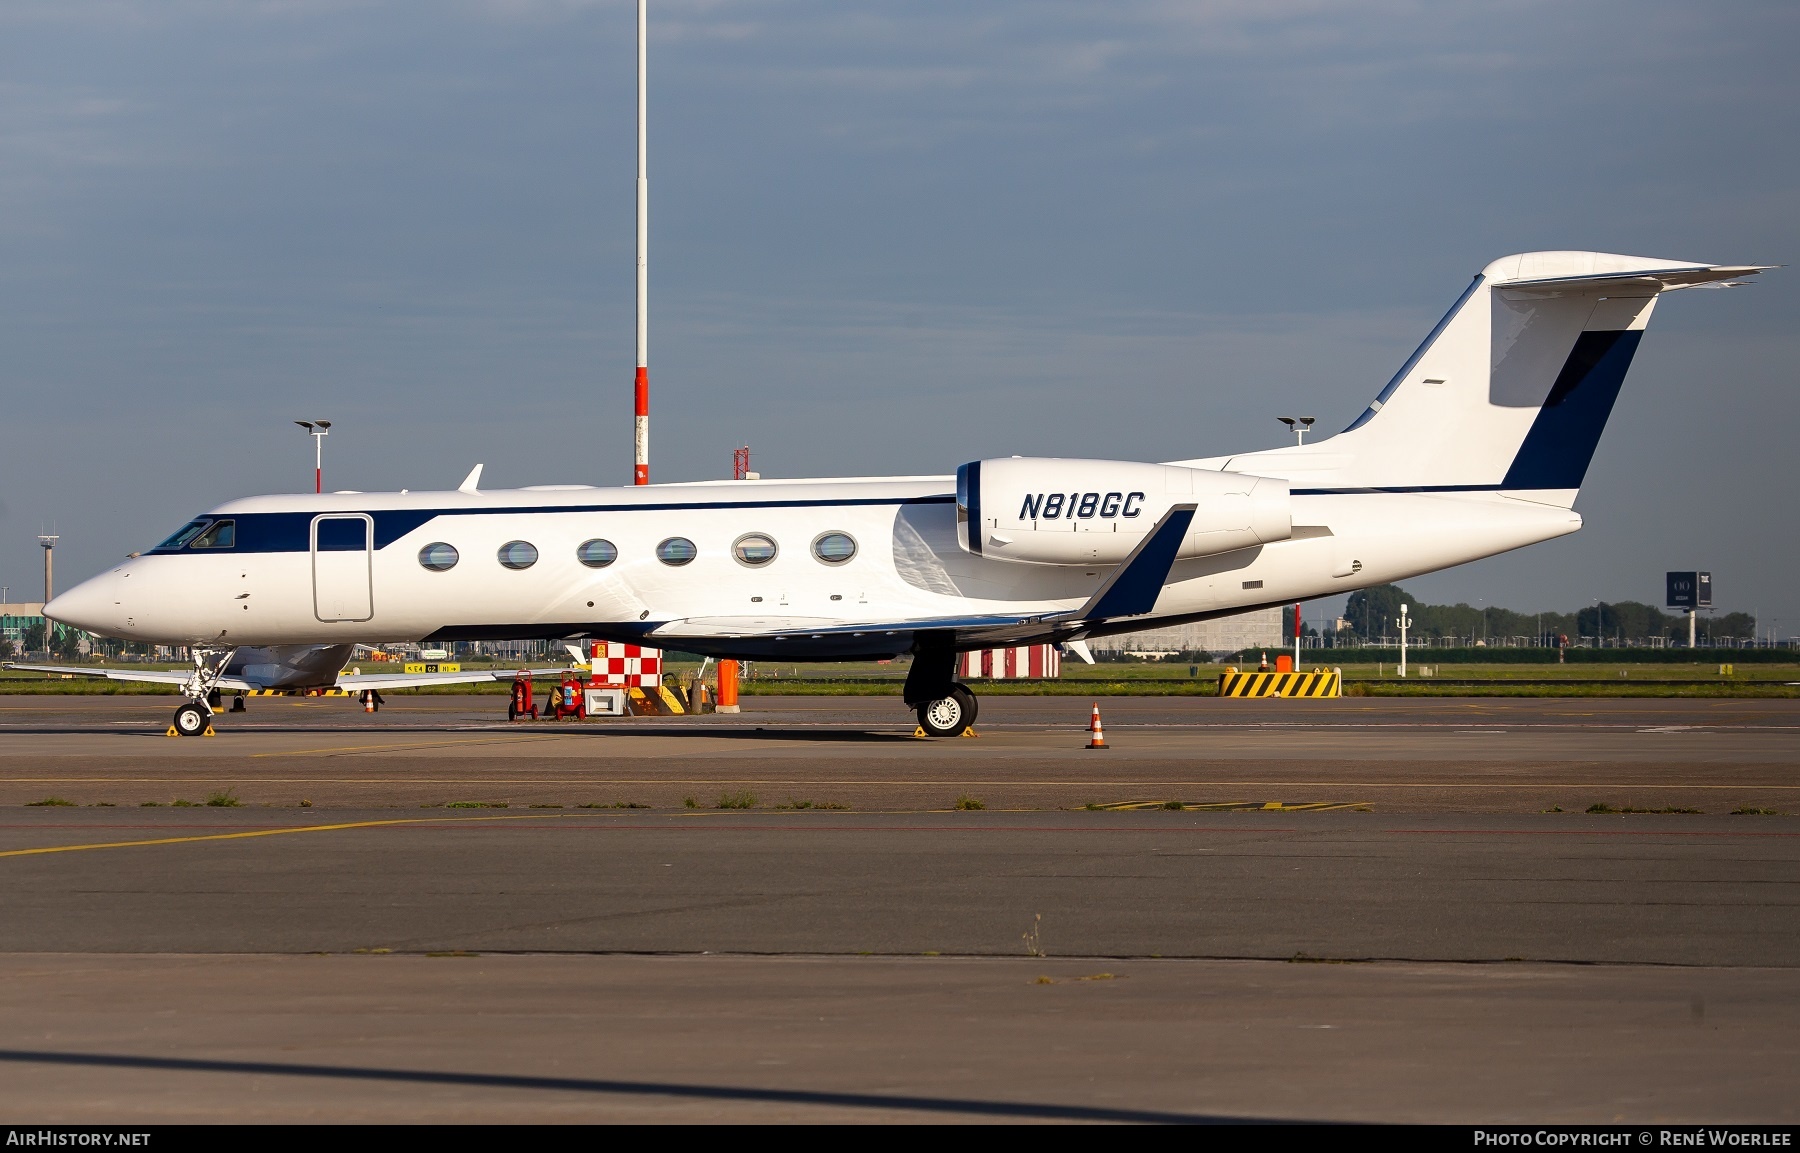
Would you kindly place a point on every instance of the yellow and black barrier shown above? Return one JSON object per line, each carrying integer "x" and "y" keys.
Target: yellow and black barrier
{"x": 1320, "y": 683}
{"x": 298, "y": 693}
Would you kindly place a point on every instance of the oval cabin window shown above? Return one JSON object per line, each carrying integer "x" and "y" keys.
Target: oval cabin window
{"x": 677, "y": 550}
{"x": 596, "y": 553}
{"x": 518, "y": 554}
{"x": 834, "y": 547}
{"x": 754, "y": 549}
{"x": 439, "y": 557}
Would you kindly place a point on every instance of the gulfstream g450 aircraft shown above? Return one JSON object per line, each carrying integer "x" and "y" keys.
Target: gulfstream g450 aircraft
{"x": 1476, "y": 446}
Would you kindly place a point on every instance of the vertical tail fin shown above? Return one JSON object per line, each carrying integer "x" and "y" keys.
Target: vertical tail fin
{"x": 1512, "y": 388}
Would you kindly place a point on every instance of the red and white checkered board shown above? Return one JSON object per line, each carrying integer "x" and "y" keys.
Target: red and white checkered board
{"x": 631, "y": 665}
{"x": 1012, "y": 663}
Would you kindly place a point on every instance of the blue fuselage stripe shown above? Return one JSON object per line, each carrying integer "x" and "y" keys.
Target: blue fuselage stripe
{"x": 264, "y": 532}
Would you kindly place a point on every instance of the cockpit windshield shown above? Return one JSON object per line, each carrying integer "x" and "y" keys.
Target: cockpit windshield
{"x": 222, "y": 534}
{"x": 188, "y": 532}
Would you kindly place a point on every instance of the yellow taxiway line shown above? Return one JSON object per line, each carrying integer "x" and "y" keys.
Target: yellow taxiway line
{"x": 266, "y": 833}
{"x": 415, "y": 745}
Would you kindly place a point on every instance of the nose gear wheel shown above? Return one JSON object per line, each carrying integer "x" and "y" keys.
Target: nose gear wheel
{"x": 190, "y": 719}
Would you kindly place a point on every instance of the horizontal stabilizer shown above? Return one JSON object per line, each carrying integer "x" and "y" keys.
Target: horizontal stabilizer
{"x": 1651, "y": 280}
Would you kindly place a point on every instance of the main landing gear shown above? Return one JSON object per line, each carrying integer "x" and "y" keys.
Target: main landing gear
{"x": 194, "y": 719}
{"x": 944, "y": 708}
{"x": 949, "y": 715}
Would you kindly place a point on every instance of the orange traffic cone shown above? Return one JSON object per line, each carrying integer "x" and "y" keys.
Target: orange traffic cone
{"x": 1096, "y": 735}
{"x": 1264, "y": 667}
{"x": 368, "y": 701}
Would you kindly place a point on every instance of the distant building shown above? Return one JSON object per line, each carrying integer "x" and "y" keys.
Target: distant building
{"x": 16, "y": 618}
{"x": 1257, "y": 629}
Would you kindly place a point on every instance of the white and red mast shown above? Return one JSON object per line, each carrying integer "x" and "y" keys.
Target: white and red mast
{"x": 641, "y": 423}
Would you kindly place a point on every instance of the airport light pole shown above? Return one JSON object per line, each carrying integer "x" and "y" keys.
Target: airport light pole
{"x": 1404, "y": 622}
{"x": 317, "y": 429}
{"x": 640, "y": 432}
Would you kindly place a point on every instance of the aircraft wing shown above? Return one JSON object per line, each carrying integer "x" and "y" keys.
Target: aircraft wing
{"x": 1130, "y": 590}
{"x": 145, "y": 676}
{"x": 356, "y": 682}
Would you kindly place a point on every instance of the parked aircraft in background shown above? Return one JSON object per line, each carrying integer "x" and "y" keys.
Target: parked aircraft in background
{"x": 1478, "y": 445}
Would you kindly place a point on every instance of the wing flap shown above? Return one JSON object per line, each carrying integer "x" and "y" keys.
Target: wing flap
{"x": 741, "y": 626}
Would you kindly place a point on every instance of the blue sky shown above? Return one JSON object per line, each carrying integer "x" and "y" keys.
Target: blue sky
{"x": 885, "y": 238}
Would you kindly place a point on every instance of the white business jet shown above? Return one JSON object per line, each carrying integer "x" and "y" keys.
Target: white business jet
{"x": 1477, "y": 445}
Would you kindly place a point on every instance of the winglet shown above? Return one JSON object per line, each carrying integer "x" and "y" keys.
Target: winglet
{"x": 1133, "y": 587}
{"x": 472, "y": 483}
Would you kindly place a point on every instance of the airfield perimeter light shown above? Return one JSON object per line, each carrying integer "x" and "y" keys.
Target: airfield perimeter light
{"x": 318, "y": 430}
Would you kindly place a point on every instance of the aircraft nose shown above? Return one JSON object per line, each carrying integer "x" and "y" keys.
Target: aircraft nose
{"x": 88, "y": 606}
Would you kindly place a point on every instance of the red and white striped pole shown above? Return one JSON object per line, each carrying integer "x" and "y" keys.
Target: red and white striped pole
{"x": 641, "y": 423}
{"x": 1297, "y": 623}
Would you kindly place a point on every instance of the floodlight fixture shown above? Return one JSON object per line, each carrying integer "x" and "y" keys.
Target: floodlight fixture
{"x": 1299, "y": 426}
{"x": 318, "y": 430}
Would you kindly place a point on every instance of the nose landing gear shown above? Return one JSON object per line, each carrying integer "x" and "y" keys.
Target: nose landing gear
{"x": 194, "y": 719}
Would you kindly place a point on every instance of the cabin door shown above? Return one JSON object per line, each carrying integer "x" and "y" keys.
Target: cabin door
{"x": 342, "y": 564}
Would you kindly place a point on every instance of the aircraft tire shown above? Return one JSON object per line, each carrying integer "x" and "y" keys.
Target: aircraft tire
{"x": 971, "y": 703}
{"x": 190, "y": 720}
{"x": 946, "y": 716}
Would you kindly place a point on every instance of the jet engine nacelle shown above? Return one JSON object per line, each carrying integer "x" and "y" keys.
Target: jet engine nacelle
{"x": 1046, "y": 510}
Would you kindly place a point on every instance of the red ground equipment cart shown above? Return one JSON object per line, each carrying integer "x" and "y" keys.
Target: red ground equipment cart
{"x": 569, "y": 699}
{"x": 521, "y": 704}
